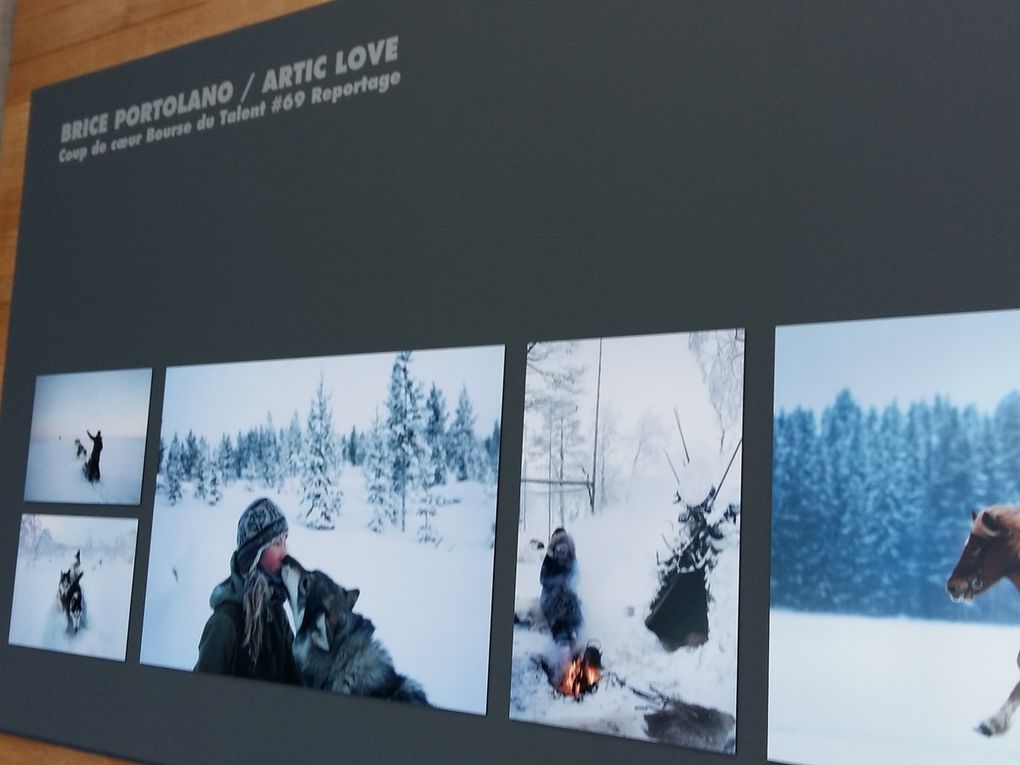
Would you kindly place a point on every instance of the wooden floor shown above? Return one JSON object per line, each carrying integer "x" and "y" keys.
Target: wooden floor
{"x": 18, "y": 751}
{"x": 58, "y": 39}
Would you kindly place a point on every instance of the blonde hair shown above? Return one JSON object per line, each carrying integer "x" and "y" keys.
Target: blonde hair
{"x": 256, "y": 600}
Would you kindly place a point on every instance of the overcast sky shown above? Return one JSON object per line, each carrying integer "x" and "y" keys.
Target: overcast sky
{"x": 646, "y": 374}
{"x": 75, "y": 531}
{"x": 971, "y": 358}
{"x": 115, "y": 402}
{"x": 214, "y": 399}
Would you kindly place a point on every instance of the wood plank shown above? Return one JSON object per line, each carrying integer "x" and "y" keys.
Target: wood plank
{"x": 39, "y": 35}
{"x": 187, "y": 24}
{"x": 19, "y": 751}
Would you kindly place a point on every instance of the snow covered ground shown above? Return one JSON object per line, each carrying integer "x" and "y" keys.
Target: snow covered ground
{"x": 846, "y": 689}
{"x": 55, "y": 475}
{"x": 616, "y": 555}
{"x": 431, "y": 605}
{"x": 38, "y": 621}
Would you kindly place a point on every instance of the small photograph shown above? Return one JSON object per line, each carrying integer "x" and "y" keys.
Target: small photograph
{"x": 72, "y": 586}
{"x": 87, "y": 444}
{"x": 629, "y": 539}
{"x": 329, "y": 522}
{"x": 895, "y": 519}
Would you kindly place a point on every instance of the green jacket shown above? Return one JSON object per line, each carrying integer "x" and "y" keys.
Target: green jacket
{"x": 220, "y": 650}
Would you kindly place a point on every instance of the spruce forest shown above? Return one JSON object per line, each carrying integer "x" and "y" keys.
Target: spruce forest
{"x": 415, "y": 444}
{"x": 870, "y": 508}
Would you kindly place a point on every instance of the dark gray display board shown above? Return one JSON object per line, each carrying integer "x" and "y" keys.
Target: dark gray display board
{"x": 540, "y": 171}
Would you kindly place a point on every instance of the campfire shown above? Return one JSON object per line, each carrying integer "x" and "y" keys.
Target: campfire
{"x": 581, "y": 675}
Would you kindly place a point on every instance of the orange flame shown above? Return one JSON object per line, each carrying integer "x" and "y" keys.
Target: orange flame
{"x": 579, "y": 677}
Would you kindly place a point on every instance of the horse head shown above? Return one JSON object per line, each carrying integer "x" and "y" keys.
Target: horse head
{"x": 992, "y": 551}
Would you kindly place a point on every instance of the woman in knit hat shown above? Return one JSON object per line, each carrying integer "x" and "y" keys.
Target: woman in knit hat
{"x": 248, "y": 634}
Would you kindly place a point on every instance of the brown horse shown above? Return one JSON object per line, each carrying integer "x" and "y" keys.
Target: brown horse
{"x": 991, "y": 553}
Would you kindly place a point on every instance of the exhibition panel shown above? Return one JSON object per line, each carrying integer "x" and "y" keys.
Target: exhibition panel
{"x": 469, "y": 355}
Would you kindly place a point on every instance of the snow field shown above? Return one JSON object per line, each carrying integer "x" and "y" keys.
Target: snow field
{"x": 37, "y": 621}
{"x": 616, "y": 554}
{"x": 55, "y": 475}
{"x": 847, "y": 689}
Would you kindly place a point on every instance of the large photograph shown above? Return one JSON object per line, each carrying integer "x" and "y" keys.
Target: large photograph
{"x": 329, "y": 522}
{"x": 87, "y": 444}
{"x": 72, "y": 586}
{"x": 629, "y": 538}
{"x": 896, "y": 478}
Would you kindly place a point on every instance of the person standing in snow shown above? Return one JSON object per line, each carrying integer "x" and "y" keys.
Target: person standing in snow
{"x": 248, "y": 634}
{"x": 92, "y": 466}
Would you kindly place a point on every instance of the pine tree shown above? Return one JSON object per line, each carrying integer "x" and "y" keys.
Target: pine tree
{"x": 492, "y": 452}
{"x": 405, "y": 433}
{"x": 461, "y": 447}
{"x": 353, "y": 447}
{"x": 250, "y": 471}
{"x": 842, "y": 441}
{"x": 215, "y": 483}
{"x": 1007, "y": 426}
{"x": 435, "y": 435}
{"x": 272, "y": 458}
{"x": 189, "y": 455}
{"x": 799, "y": 516}
{"x": 378, "y": 480}
{"x": 223, "y": 459}
{"x": 295, "y": 446}
{"x": 427, "y": 533}
{"x": 202, "y": 469}
{"x": 174, "y": 471}
{"x": 320, "y": 495}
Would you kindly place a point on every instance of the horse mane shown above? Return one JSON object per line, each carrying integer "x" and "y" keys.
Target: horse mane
{"x": 1007, "y": 516}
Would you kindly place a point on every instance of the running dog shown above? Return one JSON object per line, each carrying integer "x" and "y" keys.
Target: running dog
{"x": 72, "y": 599}
{"x": 334, "y": 648}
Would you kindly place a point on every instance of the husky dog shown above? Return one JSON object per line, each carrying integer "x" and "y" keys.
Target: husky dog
{"x": 79, "y": 449}
{"x": 560, "y": 605}
{"x": 75, "y": 607}
{"x": 62, "y": 587}
{"x": 67, "y": 578}
{"x": 72, "y": 599}
{"x": 334, "y": 648}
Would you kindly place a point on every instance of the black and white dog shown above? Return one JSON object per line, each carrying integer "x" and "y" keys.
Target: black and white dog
{"x": 72, "y": 599}
{"x": 334, "y": 648}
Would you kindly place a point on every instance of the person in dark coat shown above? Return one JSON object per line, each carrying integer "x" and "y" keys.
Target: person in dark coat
{"x": 92, "y": 466}
{"x": 248, "y": 634}
{"x": 558, "y": 577}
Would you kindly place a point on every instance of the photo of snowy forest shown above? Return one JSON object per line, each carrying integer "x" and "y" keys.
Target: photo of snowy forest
{"x": 86, "y": 611}
{"x": 386, "y": 467}
{"x": 629, "y": 538}
{"x": 887, "y": 435}
{"x": 87, "y": 444}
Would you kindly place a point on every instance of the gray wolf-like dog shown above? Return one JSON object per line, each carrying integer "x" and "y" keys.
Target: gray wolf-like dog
{"x": 334, "y": 648}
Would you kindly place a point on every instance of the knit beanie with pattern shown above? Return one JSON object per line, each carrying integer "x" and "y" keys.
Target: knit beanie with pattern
{"x": 260, "y": 523}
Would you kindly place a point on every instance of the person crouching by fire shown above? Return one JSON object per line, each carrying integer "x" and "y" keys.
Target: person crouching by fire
{"x": 559, "y": 602}
{"x": 248, "y": 634}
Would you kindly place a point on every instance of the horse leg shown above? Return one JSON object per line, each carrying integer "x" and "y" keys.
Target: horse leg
{"x": 999, "y": 723}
